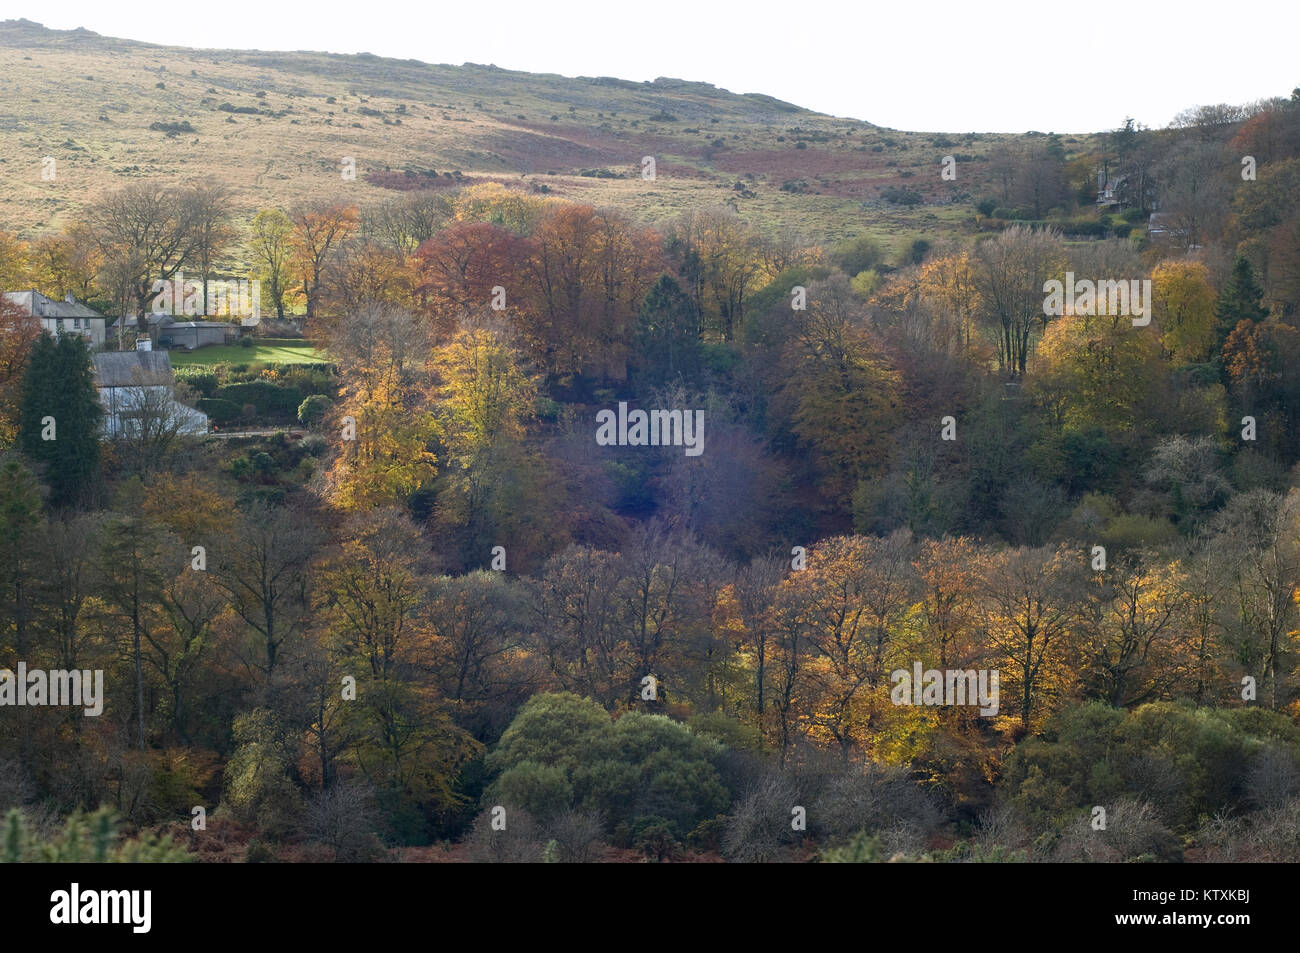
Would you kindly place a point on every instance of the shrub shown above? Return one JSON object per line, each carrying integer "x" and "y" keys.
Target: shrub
{"x": 313, "y": 409}
{"x": 257, "y": 787}
{"x": 857, "y": 255}
{"x": 562, "y": 747}
{"x": 270, "y": 400}
{"x": 520, "y": 842}
{"x": 901, "y": 196}
{"x": 313, "y": 445}
{"x": 221, "y": 411}
{"x": 204, "y": 382}
{"x": 656, "y": 838}
{"x": 1186, "y": 762}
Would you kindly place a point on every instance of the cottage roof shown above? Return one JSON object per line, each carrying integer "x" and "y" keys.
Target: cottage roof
{"x": 39, "y": 306}
{"x": 133, "y": 368}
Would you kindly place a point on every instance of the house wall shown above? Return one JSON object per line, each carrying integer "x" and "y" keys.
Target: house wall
{"x": 92, "y": 328}
{"x": 121, "y": 400}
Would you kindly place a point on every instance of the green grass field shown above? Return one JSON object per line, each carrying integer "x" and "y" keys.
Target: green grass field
{"x": 268, "y": 352}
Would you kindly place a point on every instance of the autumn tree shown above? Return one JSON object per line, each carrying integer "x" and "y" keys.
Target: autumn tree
{"x": 136, "y": 558}
{"x": 753, "y": 593}
{"x": 272, "y": 247}
{"x": 373, "y": 597}
{"x": 948, "y": 282}
{"x": 840, "y": 394}
{"x": 495, "y": 204}
{"x": 407, "y": 222}
{"x": 365, "y": 272}
{"x": 1099, "y": 373}
{"x": 457, "y": 269}
{"x": 191, "y": 603}
{"x": 1138, "y": 649}
{"x": 263, "y": 565}
{"x": 1029, "y": 601}
{"x": 15, "y": 262}
{"x": 1183, "y": 304}
{"x": 67, "y": 262}
{"x": 575, "y": 621}
{"x": 850, "y": 601}
{"x": 318, "y": 232}
{"x": 1255, "y": 546}
{"x": 721, "y": 262}
{"x": 145, "y": 234}
{"x": 478, "y": 641}
{"x": 386, "y": 425}
{"x": 18, "y": 333}
{"x": 20, "y": 526}
{"x": 588, "y": 273}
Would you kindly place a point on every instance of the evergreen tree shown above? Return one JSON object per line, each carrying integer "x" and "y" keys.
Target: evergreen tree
{"x": 1239, "y": 300}
{"x": 668, "y": 333}
{"x": 59, "y": 429}
{"x": 20, "y": 516}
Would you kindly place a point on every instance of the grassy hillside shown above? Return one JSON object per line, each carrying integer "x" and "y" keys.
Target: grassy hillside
{"x": 275, "y": 126}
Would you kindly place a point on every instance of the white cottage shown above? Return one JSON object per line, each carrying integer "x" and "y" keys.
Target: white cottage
{"x": 68, "y": 316}
{"x": 137, "y": 389}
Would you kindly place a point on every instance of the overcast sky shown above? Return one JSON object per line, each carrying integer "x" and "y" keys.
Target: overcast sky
{"x": 997, "y": 66}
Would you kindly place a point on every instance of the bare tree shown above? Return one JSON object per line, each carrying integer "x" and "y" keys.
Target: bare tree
{"x": 145, "y": 234}
{"x": 154, "y": 422}
{"x": 207, "y": 209}
{"x": 1010, "y": 271}
{"x": 404, "y": 223}
{"x": 264, "y": 565}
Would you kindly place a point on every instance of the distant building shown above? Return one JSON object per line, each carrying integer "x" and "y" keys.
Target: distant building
{"x": 137, "y": 390}
{"x": 164, "y": 331}
{"x": 195, "y": 334}
{"x": 68, "y": 316}
{"x": 1108, "y": 190}
{"x": 1160, "y": 224}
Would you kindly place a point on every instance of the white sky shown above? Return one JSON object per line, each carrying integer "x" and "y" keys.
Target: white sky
{"x": 990, "y": 66}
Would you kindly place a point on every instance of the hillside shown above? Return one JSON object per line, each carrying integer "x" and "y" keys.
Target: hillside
{"x": 275, "y": 126}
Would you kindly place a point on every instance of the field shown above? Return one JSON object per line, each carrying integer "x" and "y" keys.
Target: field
{"x": 270, "y": 351}
{"x": 277, "y": 127}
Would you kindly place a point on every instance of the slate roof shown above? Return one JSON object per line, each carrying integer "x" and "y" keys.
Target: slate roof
{"x": 39, "y": 306}
{"x": 133, "y": 368}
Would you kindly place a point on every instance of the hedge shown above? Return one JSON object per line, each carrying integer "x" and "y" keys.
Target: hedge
{"x": 220, "y": 411}
{"x": 270, "y": 399}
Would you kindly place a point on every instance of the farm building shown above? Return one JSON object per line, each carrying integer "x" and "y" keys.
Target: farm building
{"x": 195, "y": 334}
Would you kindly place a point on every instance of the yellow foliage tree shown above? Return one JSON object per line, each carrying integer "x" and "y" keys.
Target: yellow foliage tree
{"x": 1184, "y": 308}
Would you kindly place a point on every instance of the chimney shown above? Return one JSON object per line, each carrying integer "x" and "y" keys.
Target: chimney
{"x": 69, "y": 299}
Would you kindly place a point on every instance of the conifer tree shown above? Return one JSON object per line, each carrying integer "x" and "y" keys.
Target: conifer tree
{"x": 1239, "y": 300}
{"x": 61, "y": 413}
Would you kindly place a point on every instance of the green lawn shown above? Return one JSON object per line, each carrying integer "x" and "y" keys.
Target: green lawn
{"x": 269, "y": 351}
